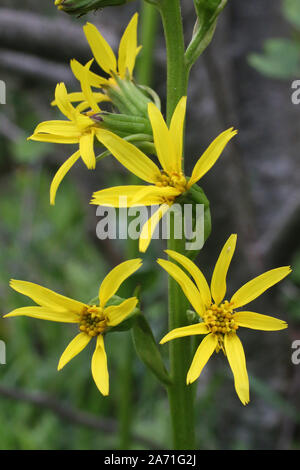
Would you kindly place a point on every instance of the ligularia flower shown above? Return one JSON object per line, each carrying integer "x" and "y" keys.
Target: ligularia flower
{"x": 92, "y": 320}
{"x": 166, "y": 184}
{"x": 80, "y": 129}
{"x": 122, "y": 67}
{"x": 219, "y": 319}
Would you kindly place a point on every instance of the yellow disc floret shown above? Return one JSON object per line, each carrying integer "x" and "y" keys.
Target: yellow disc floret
{"x": 175, "y": 180}
{"x": 220, "y": 321}
{"x": 92, "y": 321}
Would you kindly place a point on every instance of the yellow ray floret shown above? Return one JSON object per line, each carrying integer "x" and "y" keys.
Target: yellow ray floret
{"x": 167, "y": 182}
{"x": 122, "y": 66}
{"x": 219, "y": 320}
{"x": 92, "y": 320}
{"x": 79, "y": 129}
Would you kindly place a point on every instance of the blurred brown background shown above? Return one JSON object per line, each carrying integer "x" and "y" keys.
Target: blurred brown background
{"x": 253, "y": 191}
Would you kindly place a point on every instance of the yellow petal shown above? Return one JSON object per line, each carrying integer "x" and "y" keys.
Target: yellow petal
{"x": 130, "y": 156}
{"x": 75, "y": 347}
{"x": 254, "y": 288}
{"x": 86, "y": 87}
{"x": 149, "y": 227}
{"x": 128, "y": 47}
{"x": 176, "y": 132}
{"x": 63, "y": 102}
{"x": 73, "y": 97}
{"x": 78, "y": 96}
{"x": 156, "y": 194}
{"x": 101, "y": 49}
{"x": 94, "y": 79}
{"x": 46, "y": 297}
{"x": 195, "y": 273}
{"x": 202, "y": 355}
{"x": 124, "y": 196}
{"x": 116, "y": 277}
{"x": 82, "y": 107}
{"x": 162, "y": 140}
{"x": 257, "y": 321}
{"x": 118, "y": 313}
{"x": 199, "y": 329}
{"x": 99, "y": 367}
{"x": 218, "y": 282}
{"x": 236, "y": 358}
{"x": 97, "y": 97}
{"x": 60, "y": 174}
{"x": 44, "y": 313}
{"x": 63, "y": 128}
{"x": 55, "y": 139}
{"x": 211, "y": 155}
{"x": 86, "y": 147}
{"x": 188, "y": 287}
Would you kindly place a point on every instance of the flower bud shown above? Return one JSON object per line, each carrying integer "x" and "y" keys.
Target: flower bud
{"x": 123, "y": 124}
{"x": 208, "y": 10}
{"x": 81, "y": 7}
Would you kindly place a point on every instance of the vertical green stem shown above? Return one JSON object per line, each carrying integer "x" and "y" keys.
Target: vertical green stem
{"x": 126, "y": 387}
{"x": 177, "y": 73}
{"x": 181, "y": 396}
{"x": 148, "y": 27}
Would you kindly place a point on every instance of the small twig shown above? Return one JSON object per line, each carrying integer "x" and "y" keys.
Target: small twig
{"x": 35, "y": 68}
{"x": 65, "y": 412}
{"x": 58, "y": 38}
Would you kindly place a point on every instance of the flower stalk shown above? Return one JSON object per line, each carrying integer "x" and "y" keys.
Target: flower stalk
{"x": 181, "y": 398}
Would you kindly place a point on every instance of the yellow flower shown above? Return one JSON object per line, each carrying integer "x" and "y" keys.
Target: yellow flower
{"x": 105, "y": 57}
{"x": 166, "y": 184}
{"x": 79, "y": 129}
{"x": 219, "y": 319}
{"x": 92, "y": 320}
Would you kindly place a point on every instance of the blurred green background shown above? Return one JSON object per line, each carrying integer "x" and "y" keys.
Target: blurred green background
{"x": 254, "y": 192}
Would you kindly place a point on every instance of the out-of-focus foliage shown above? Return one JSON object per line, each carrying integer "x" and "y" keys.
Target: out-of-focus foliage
{"x": 291, "y": 10}
{"x": 53, "y": 246}
{"x": 281, "y": 56}
{"x": 50, "y": 246}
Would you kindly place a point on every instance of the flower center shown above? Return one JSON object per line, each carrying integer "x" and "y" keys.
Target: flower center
{"x": 220, "y": 321}
{"x": 92, "y": 321}
{"x": 175, "y": 180}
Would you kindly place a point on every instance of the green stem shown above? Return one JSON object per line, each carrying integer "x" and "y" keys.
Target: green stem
{"x": 181, "y": 396}
{"x": 148, "y": 27}
{"x": 126, "y": 399}
{"x": 177, "y": 74}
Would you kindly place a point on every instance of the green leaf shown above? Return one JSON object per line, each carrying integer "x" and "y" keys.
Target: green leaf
{"x": 281, "y": 59}
{"x": 291, "y": 10}
{"x": 147, "y": 349}
{"x": 207, "y": 12}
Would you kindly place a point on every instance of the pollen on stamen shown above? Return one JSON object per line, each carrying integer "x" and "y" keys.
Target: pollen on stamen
{"x": 220, "y": 319}
{"x": 174, "y": 180}
{"x": 92, "y": 321}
